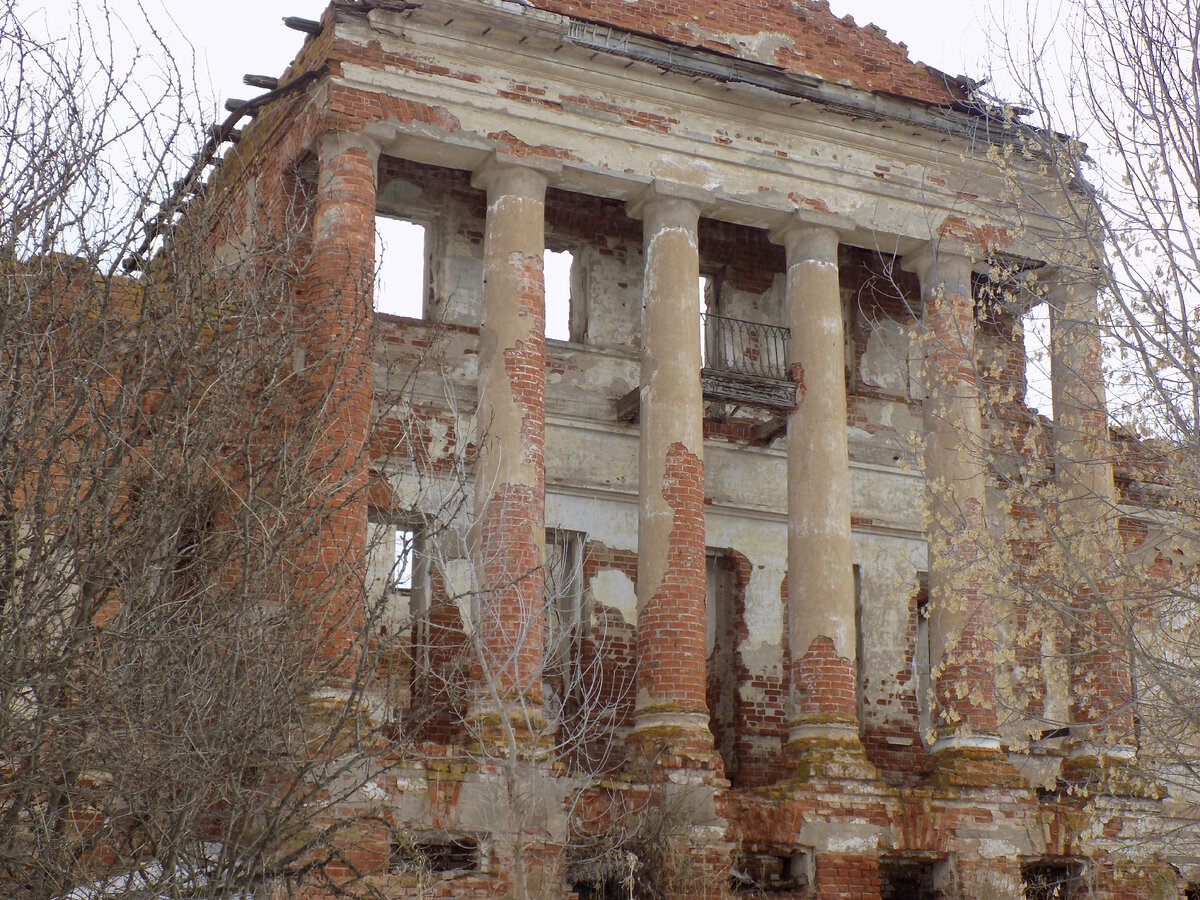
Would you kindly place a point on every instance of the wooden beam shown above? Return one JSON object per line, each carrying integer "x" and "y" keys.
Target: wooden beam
{"x": 308, "y": 26}
{"x": 629, "y": 407}
{"x": 767, "y": 431}
{"x": 266, "y": 82}
{"x": 746, "y": 390}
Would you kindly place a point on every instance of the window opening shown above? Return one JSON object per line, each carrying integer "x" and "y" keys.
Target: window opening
{"x": 707, "y": 287}
{"x": 1035, "y": 324}
{"x": 397, "y": 604}
{"x": 391, "y": 557}
{"x": 721, "y": 669}
{"x": 913, "y": 879}
{"x": 609, "y": 877}
{"x": 401, "y": 267}
{"x": 403, "y": 543}
{"x": 441, "y": 853}
{"x": 397, "y": 575}
{"x": 566, "y": 623}
{"x": 771, "y": 871}
{"x": 1052, "y": 879}
{"x": 560, "y": 312}
{"x": 923, "y": 658}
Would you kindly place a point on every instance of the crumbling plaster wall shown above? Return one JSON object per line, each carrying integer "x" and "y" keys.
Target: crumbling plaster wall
{"x": 613, "y": 121}
{"x": 768, "y": 155}
{"x": 591, "y": 460}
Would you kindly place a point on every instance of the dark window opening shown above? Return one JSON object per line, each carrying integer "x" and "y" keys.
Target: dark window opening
{"x": 435, "y": 854}
{"x": 770, "y": 872}
{"x": 923, "y": 658}
{"x": 563, "y": 685}
{"x": 612, "y": 887}
{"x": 721, "y": 638}
{"x": 1052, "y": 879}
{"x": 913, "y": 879}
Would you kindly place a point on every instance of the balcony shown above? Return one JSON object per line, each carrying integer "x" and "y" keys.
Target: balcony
{"x": 745, "y": 363}
{"x": 742, "y": 363}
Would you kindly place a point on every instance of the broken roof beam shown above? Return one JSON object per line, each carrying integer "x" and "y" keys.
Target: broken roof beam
{"x": 308, "y": 26}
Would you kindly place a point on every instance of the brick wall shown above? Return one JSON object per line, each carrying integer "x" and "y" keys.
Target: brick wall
{"x": 809, "y": 39}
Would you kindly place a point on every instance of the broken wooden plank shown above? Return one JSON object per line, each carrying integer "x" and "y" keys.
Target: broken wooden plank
{"x": 767, "y": 431}
{"x": 746, "y": 390}
{"x": 308, "y": 26}
{"x": 629, "y": 407}
{"x": 260, "y": 81}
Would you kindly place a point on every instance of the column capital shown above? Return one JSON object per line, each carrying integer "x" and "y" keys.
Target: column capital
{"x": 938, "y": 265}
{"x": 807, "y": 242}
{"x": 525, "y": 176}
{"x": 804, "y": 221}
{"x": 1067, "y": 288}
{"x": 672, "y": 202}
{"x": 334, "y": 143}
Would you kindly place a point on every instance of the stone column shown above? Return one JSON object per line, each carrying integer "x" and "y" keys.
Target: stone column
{"x": 338, "y": 365}
{"x": 509, "y": 547}
{"x": 670, "y": 701}
{"x": 956, "y": 454}
{"x": 1101, "y": 719}
{"x": 821, "y": 615}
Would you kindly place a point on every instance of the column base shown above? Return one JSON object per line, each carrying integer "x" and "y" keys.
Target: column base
{"x": 515, "y": 725}
{"x": 673, "y": 739}
{"x": 829, "y": 750}
{"x": 1096, "y": 768}
{"x": 972, "y": 761}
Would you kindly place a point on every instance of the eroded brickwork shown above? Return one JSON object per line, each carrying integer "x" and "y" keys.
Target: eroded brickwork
{"x": 658, "y": 691}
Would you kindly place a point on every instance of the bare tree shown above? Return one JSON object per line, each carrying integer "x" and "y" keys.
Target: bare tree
{"x": 1101, "y": 615}
{"x": 536, "y": 757}
{"x": 186, "y": 702}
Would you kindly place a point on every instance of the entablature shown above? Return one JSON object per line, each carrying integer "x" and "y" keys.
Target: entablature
{"x": 893, "y": 169}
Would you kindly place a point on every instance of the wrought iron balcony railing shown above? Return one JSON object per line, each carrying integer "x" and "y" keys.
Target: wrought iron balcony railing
{"x": 738, "y": 347}
{"x": 742, "y": 363}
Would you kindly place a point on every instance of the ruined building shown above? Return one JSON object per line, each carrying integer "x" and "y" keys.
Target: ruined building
{"x": 693, "y": 567}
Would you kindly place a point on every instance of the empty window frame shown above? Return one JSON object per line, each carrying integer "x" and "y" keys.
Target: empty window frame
{"x": 1035, "y": 328}
{"x": 710, "y": 332}
{"x": 396, "y": 573}
{"x": 566, "y": 622}
{"x": 401, "y": 266}
{"x": 436, "y": 852}
{"x": 774, "y": 870}
{"x": 1052, "y": 879}
{"x": 723, "y": 615}
{"x": 912, "y": 877}
{"x": 923, "y": 657}
{"x": 565, "y": 320}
